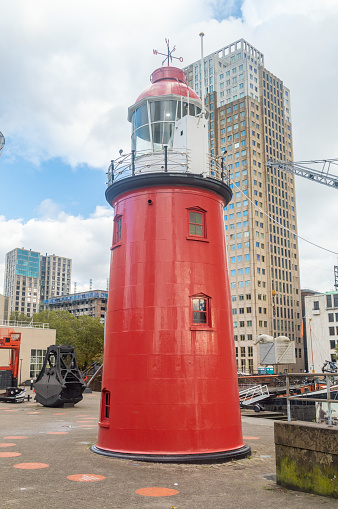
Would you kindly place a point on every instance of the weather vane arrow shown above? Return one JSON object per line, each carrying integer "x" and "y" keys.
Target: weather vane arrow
{"x": 169, "y": 55}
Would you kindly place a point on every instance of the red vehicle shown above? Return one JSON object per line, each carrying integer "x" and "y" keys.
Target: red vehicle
{"x": 10, "y": 340}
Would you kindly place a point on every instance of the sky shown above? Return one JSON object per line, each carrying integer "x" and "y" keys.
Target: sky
{"x": 69, "y": 71}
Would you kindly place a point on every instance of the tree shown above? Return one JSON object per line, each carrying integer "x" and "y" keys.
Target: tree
{"x": 85, "y": 333}
{"x": 15, "y": 316}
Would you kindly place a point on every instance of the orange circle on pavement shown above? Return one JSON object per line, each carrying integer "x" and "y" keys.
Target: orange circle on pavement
{"x": 9, "y": 454}
{"x": 86, "y": 477}
{"x": 6, "y": 444}
{"x": 10, "y": 410}
{"x": 33, "y": 413}
{"x": 156, "y": 492}
{"x": 57, "y": 433}
{"x": 31, "y": 466}
{"x": 59, "y": 413}
{"x": 15, "y": 437}
{"x": 250, "y": 438}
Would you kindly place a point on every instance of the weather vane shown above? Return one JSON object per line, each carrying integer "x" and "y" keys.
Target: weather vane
{"x": 168, "y": 56}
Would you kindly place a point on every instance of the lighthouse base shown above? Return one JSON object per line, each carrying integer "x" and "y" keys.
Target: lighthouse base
{"x": 213, "y": 457}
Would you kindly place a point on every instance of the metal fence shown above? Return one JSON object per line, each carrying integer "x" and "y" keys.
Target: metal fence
{"x": 319, "y": 379}
{"x": 31, "y": 324}
{"x": 163, "y": 160}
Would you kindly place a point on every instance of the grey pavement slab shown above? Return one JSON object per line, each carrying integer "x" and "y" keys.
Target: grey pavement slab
{"x": 247, "y": 483}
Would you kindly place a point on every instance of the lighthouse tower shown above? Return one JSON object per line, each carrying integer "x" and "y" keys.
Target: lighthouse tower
{"x": 169, "y": 388}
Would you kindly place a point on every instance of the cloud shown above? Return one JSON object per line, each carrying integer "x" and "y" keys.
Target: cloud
{"x": 71, "y": 69}
{"x": 85, "y": 240}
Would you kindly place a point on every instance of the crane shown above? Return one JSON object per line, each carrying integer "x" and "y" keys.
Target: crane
{"x": 304, "y": 169}
{"x": 322, "y": 176}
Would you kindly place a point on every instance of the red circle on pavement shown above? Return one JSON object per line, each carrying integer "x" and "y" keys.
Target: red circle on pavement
{"x": 31, "y": 466}
{"x": 156, "y": 492}
{"x": 57, "y": 433}
{"x": 86, "y": 477}
{"x": 9, "y": 454}
{"x": 6, "y": 444}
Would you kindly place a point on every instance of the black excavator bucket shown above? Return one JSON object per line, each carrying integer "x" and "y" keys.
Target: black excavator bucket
{"x": 59, "y": 381}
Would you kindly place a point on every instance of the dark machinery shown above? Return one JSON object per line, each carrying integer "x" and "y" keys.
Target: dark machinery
{"x": 59, "y": 381}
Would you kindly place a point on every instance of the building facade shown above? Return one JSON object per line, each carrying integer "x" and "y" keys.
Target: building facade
{"x": 34, "y": 343}
{"x": 250, "y": 124}
{"x": 4, "y": 309}
{"x": 321, "y": 318}
{"x": 22, "y": 282}
{"x": 30, "y": 278}
{"x": 55, "y": 276}
{"x": 92, "y": 303}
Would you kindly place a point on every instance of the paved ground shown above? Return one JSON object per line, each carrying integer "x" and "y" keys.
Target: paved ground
{"x": 60, "y": 440}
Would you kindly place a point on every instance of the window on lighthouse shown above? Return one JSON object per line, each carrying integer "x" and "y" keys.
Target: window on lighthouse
{"x": 196, "y": 223}
{"x": 201, "y": 313}
{"x": 117, "y": 229}
{"x": 199, "y": 310}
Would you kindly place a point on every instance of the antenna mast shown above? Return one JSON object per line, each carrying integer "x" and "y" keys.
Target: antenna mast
{"x": 203, "y": 77}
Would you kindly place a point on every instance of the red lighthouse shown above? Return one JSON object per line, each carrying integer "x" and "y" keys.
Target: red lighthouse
{"x": 169, "y": 388}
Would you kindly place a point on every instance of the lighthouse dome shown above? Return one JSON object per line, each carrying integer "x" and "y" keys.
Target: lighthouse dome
{"x": 155, "y": 112}
{"x": 168, "y": 81}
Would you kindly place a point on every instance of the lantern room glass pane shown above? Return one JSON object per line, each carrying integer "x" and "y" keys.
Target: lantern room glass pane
{"x": 163, "y": 134}
{"x": 141, "y": 116}
{"x": 163, "y": 111}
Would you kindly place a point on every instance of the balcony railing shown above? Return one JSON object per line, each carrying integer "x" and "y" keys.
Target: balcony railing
{"x": 163, "y": 160}
{"x": 29, "y": 325}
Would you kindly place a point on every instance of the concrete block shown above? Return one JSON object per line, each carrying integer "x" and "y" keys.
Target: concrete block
{"x": 307, "y": 457}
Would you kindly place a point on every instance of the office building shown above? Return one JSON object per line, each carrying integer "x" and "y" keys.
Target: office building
{"x": 321, "y": 319}
{"x": 22, "y": 283}
{"x": 92, "y": 303}
{"x": 30, "y": 278}
{"x": 55, "y": 276}
{"x": 250, "y": 124}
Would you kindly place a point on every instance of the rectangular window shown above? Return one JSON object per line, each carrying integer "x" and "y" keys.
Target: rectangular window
{"x": 196, "y": 223}
{"x": 316, "y": 305}
{"x": 36, "y": 362}
{"x": 117, "y": 229}
{"x": 200, "y": 310}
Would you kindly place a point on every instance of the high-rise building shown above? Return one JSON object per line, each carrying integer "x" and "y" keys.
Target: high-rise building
{"x": 55, "y": 276}
{"x": 22, "y": 283}
{"x": 30, "y": 278}
{"x": 250, "y": 124}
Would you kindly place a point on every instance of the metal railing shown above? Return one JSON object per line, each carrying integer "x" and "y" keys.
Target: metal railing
{"x": 166, "y": 160}
{"x": 253, "y": 394}
{"x": 31, "y": 324}
{"x": 328, "y": 379}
